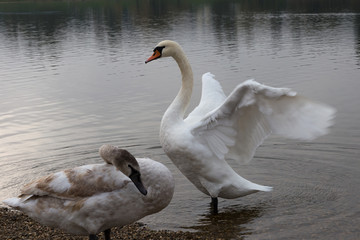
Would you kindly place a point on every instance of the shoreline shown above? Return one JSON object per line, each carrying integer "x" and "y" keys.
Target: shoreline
{"x": 16, "y": 225}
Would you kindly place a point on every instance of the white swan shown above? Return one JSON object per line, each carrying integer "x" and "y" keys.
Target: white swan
{"x": 232, "y": 127}
{"x": 89, "y": 199}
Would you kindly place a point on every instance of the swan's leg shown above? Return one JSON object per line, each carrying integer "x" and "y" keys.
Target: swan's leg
{"x": 93, "y": 237}
{"x": 107, "y": 234}
{"x": 214, "y": 205}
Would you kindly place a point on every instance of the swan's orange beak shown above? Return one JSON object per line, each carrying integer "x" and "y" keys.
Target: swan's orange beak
{"x": 156, "y": 55}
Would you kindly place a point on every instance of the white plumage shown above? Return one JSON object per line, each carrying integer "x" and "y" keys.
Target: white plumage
{"x": 89, "y": 199}
{"x": 231, "y": 127}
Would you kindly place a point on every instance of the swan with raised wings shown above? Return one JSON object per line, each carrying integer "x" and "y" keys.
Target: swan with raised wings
{"x": 89, "y": 199}
{"x": 230, "y": 127}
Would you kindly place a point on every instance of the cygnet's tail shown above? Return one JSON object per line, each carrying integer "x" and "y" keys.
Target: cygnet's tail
{"x": 17, "y": 202}
{"x": 12, "y": 202}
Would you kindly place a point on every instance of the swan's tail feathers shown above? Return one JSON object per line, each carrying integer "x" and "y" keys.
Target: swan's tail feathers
{"x": 265, "y": 188}
{"x": 261, "y": 188}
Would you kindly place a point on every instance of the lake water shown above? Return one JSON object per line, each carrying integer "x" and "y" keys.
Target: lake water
{"x": 73, "y": 77}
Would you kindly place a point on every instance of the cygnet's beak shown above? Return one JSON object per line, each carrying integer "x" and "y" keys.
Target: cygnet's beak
{"x": 135, "y": 177}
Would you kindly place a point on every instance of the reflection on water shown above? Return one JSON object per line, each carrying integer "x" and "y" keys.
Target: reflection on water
{"x": 357, "y": 37}
{"x": 231, "y": 223}
{"x": 73, "y": 77}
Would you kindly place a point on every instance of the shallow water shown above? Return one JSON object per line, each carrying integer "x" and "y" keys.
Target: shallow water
{"x": 73, "y": 78}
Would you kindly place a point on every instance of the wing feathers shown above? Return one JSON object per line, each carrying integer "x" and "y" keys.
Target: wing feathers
{"x": 299, "y": 118}
{"x": 211, "y": 89}
{"x": 78, "y": 182}
{"x": 236, "y": 127}
{"x": 212, "y": 96}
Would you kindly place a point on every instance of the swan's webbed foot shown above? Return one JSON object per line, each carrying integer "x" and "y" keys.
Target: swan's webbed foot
{"x": 93, "y": 237}
{"x": 107, "y": 234}
{"x": 214, "y": 205}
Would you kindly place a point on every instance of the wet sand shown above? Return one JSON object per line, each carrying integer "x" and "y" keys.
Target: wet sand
{"x": 16, "y": 225}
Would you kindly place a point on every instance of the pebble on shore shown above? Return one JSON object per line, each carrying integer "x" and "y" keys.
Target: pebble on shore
{"x": 15, "y": 225}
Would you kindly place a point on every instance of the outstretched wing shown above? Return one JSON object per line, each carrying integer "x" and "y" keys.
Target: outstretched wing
{"x": 251, "y": 112}
{"x": 212, "y": 96}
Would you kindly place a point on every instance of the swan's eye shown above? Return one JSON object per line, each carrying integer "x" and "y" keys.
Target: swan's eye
{"x": 159, "y": 49}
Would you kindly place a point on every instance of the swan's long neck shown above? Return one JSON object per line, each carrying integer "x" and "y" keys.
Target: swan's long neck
{"x": 177, "y": 108}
